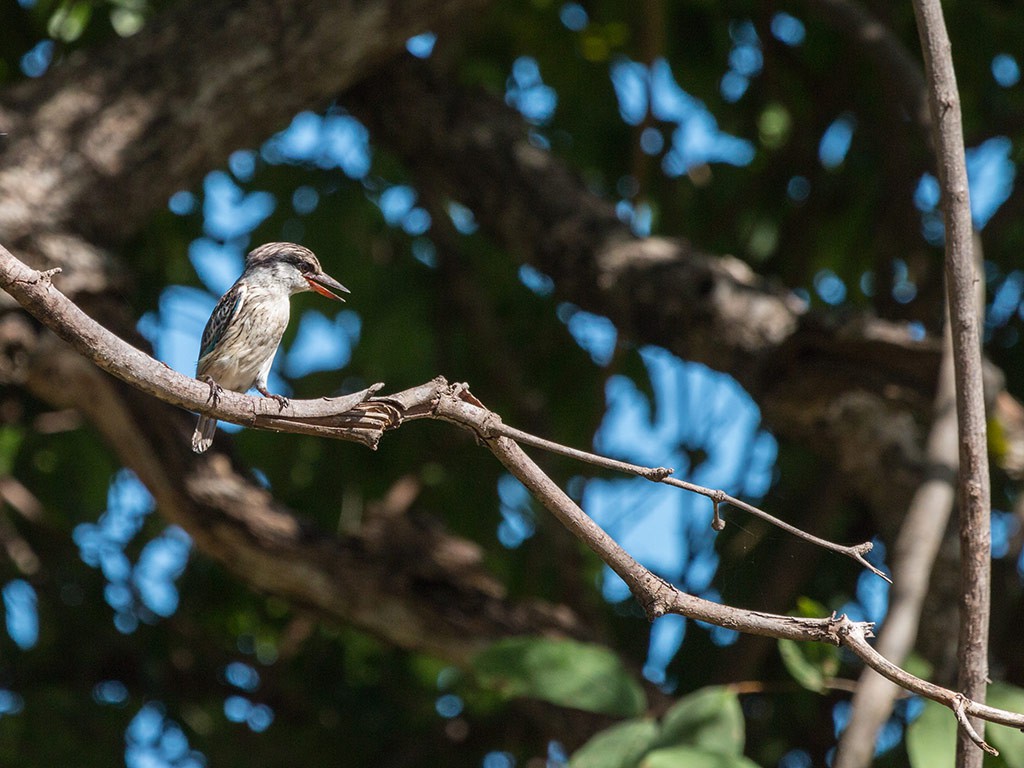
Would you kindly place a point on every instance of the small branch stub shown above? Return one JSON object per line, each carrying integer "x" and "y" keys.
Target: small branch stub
{"x": 960, "y": 712}
{"x": 42, "y": 276}
{"x": 717, "y": 523}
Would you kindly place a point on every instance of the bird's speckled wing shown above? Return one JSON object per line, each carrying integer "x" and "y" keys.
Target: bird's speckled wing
{"x": 224, "y": 313}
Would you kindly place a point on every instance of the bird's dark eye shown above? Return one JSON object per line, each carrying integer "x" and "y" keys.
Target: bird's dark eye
{"x": 305, "y": 267}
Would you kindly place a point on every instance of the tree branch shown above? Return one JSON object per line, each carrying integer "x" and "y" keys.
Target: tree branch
{"x": 33, "y": 290}
{"x": 354, "y": 417}
{"x": 961, "y": 279}
{"x": 454, "y": 403}
{"x": 755, "y": 332}
{"x": 658, "y": 597}
{"x": 404, "y": 580}
{"x": 717, "y": 496}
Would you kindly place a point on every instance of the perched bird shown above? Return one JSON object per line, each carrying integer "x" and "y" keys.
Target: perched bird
{"x": 245, "y": 329}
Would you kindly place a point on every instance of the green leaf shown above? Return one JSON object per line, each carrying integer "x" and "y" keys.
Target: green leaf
{"x": 931, "y": 739}
{"x": 620, "y": 746}
{"x": 69, "y": 21}
{"x": 10, "y": 442}
{"x": 692, "y": 757}
{"x": 917, "y": 665}
{"x": 1009, "y": 741}
{"x": 564, "y": 672}
{"x": 126, "y": 22}
{"x": 810, "y": 664}
{"x": 710, "y": 718}
{"x": 809, "y": 608}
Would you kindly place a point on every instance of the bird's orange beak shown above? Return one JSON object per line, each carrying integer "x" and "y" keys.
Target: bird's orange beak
{"x": 322, "y": 282}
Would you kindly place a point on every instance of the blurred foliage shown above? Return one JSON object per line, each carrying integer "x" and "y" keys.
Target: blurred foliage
{"x": 564, "y": 672}
{"x": 704, "y": 728}
{"x": 812, "y": 665}
{"x": 931, "y": 739}
{"x": 1009, "y": 741}
{"x": 335, "y": 691}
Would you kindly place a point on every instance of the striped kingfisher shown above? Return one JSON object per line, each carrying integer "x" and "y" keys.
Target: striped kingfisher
{"x": 245, "y": 329}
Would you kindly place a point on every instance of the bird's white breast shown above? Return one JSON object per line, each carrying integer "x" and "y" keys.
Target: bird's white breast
{"x": 250, "y": 341}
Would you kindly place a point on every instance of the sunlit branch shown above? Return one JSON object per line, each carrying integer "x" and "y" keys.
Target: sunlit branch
{"x": 974, "y": 493}
{"x": 363, "y": 418}
{"x": 331, "y": 416}
{"x": 658, "y": 597}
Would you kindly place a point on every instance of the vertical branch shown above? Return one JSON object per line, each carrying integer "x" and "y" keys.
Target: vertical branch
{"x": 961, "y": 278}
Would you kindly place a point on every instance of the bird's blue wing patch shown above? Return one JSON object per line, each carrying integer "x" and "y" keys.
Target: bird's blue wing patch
{"x": 223, "y": 314}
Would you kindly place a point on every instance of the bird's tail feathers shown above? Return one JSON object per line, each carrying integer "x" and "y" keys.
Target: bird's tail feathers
{"x": 202, "y": 438}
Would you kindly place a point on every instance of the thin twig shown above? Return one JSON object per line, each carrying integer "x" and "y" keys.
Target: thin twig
{"x": 718, "y": 497}
{"x": 965, "y": 724}
{"x": 655, "y": 474}
{"x": 854, "y": 635}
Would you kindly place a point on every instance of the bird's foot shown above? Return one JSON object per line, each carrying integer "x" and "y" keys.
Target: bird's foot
{"x": 215, "y": 390}
{"x": 282, "y": 401}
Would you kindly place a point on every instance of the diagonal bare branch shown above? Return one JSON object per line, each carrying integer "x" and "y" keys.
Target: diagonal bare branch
{"x": 658, "y": 597}
{"x": 454, "y": 403}
{"x": 354, "y": 417}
